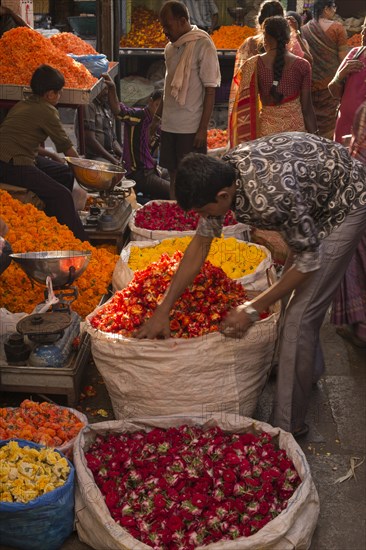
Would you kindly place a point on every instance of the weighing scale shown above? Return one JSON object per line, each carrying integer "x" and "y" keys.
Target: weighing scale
{"x": 42, "y": 356}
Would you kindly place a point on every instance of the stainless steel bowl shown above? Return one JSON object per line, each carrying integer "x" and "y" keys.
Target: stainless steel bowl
{"x": 94, "y": 175}
{"x": 63, "y": 266}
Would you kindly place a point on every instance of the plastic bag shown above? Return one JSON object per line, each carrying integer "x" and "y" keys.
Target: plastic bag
{"x": 96, "y": 64}
{"x": 43, "y": 523}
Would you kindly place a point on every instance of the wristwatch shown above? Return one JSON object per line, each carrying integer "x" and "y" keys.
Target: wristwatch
{"x": 251, "y": 312}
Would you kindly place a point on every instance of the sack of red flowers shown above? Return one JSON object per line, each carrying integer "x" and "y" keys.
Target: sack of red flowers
{"x": 159, "y": 219}
{"x": 197, "y": 370}
{"x": 223, "y": 482}
{"x": 247, "y": 263}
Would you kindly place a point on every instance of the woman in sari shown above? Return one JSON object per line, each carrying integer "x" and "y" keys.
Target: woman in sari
{"x": 274, "y": 90}
{"x": 327, "y": 40}
{"x": 349, "y": 85}
{"x": 349, "y": 304}
{"x": 252, "y": 46}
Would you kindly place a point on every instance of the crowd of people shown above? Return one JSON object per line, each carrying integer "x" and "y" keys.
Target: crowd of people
{"x": 297, "y": 92}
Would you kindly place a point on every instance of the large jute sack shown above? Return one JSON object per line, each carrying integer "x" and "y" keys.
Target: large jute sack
{"x": 258, "y": 280}
{"x": 292, "y": 528}
{"x": 185, "y": 375}
{"x": 239, "y": 230}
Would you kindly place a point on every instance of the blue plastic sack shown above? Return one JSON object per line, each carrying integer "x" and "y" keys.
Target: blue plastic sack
{"x": 96, "y": 64}
{"x": 43, "y": 523}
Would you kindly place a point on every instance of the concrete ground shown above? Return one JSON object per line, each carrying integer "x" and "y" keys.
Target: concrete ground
{"x": 337, "y": 419}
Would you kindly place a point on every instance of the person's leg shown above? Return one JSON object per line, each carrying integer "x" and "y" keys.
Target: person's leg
{"x": 155, "y": 186}
{"x": 57, "y": 198}
{"x": 58, "y": 171}
{"x": 300, "y": 353}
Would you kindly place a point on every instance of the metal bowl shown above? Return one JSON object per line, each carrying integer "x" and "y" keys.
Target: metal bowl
{"x": 63, "y": 266}
{"x": 94, "y": 175}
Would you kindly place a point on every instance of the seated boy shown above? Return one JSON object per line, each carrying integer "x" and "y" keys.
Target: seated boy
{"x": 23, "y": 161}
{"x": 137, "y": 158}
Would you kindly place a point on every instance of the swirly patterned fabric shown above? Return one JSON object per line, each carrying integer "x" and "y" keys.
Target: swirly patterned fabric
{"x": 298, "y": 184}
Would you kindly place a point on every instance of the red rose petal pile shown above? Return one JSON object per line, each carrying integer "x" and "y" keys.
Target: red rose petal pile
{"x": 185, "y": 487}
{"x": 198, "y": 311}
{"x": 168, "y": 216}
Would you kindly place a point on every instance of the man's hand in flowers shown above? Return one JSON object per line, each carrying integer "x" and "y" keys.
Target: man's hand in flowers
{"x": 236, "y": 324}
{"x": 156, "y": 327}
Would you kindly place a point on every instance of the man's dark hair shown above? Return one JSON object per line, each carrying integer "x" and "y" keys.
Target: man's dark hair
{"x": 157, "y": 94}
{"x": 177, "y": 9}
{"x": 45, "y": 79}
{"x": 199, "y": 179}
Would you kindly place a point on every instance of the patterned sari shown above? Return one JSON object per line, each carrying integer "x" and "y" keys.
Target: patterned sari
{"x": 324, "y": 47}
{"x": 250, "y": 120}
{"x": 349, "y": 303}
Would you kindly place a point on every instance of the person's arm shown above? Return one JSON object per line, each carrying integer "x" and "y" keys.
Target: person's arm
{"x": 214, "y": 22}
{"x": 97, "y": 148}
{"x": 305, "y": 48}
{"x": 237, "y": 321}
{"x": 50, "y": 154}
{"x": 112, "y": 94}
{"x": 71, "y": 152}
{"x": 189, "y": 267}
{"x": 349, "y": 66}
{"x": 208, "y": 103}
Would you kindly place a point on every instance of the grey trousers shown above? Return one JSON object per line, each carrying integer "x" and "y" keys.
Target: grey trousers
{"x": 300, "y": 357}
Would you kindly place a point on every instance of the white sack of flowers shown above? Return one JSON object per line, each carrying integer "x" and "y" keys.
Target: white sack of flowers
{"x": 239, "y": 230}
{"x": 292, "y": 528}
{"x": 256, "y": 281}
{"x": 185, "y": 375}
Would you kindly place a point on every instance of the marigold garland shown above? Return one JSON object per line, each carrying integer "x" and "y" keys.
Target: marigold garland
{"x": 22, "y": 50}
{"x": 31, "y": 230}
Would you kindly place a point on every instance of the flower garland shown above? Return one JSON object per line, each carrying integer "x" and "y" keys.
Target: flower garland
{"x": 168, "y": 216}
{"x": 31, "y": 230}
{"x": 236, "y": 258}
{"x": 22, "y": 50}
{"x": 185, "y": 487}
{"x": 199, "y": 310}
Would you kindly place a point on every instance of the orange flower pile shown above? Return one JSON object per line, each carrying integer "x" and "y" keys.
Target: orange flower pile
{"x": 30, "y": 230}
{"x": 43, "y": 423}
{"x": 216, "y": 138}
{"x": 230, "y": 37}
{"x": 355, "y": 40}
{"x": 146, "y": 30}
{"x": 22, "y": 50}
{"x": 68, "y": 42}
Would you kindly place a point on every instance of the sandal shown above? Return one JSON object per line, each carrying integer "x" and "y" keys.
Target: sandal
{"x": 301, "y": 432}
{"x": 348, "y": 334}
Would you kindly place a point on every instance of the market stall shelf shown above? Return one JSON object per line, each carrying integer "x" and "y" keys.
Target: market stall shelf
{"x": 71, "y": 97}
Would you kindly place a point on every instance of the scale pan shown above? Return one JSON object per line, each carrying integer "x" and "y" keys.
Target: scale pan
{"x": 95, "y": 175}
{"x": 63, "y": 266}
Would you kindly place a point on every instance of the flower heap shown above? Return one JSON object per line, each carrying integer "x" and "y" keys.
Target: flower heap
{"x": 198, "y": 311}
{"x": 216, "y": 138}
{"x": 146, "y": 30}
{"x": 236, "y": 258}
{"x": 31, "y": 230}
{"x": 28, "y": 473}
{"x": 168, "y": 216}
{"x": 42, "y": 423}
{"x": 22, "y": 50}
{"x": 68, "y": 42}
{"x": 230, "y": 37}
{"x": 185, "y": 487}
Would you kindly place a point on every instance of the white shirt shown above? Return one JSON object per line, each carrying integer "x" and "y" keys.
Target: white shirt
{"x": 185, "y": 119}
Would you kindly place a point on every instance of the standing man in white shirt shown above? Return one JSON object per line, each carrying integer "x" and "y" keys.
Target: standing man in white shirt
{"x": 203, "y": 13}
{"x": 192, "y": 74}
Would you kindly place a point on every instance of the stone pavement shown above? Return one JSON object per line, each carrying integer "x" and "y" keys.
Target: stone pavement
{"x": 337, "y": 419}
